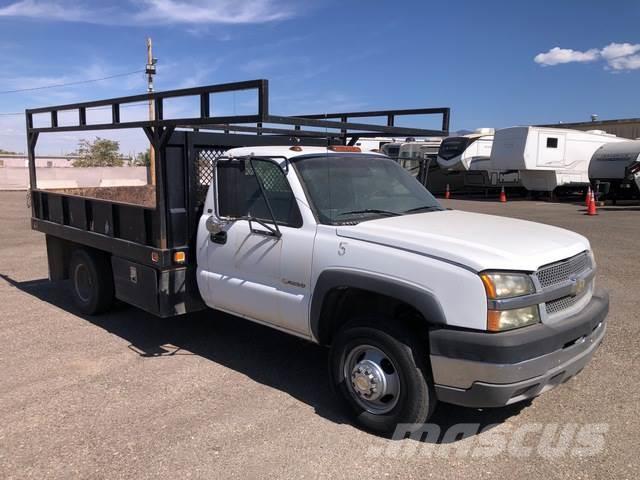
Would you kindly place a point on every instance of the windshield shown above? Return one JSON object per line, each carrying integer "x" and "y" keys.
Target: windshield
{"x": 354, "y": 188}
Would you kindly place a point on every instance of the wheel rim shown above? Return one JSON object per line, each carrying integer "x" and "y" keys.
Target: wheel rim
{"x": 372, "y": 379}
{"x": 82, "y": 282}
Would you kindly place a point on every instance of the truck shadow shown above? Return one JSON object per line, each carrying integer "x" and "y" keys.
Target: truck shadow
{"x": 263, "y": 354}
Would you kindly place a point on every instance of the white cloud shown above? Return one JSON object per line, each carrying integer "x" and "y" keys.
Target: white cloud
{"x": 153, "y": 12}
{"x": 631, "y": 62}
{"x": 211, "y": 11}
{"x": 617, "y": 56}
{"x": 617, "y": 50}
{"x": 622, "y": 56}
{"x": 558, "y": 55}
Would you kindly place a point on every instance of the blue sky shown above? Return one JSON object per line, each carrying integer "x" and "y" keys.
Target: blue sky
{"x": 492, "y": 62}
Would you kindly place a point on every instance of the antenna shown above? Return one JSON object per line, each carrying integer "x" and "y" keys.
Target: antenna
{"x": 150, "y": 70}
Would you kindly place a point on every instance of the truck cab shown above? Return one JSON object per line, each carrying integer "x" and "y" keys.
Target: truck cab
{"x": 418, "y": 303}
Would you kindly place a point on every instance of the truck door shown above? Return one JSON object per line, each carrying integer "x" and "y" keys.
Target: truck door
{"x": 245, "y": 269}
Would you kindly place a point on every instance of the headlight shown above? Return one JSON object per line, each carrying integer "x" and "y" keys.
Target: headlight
{"x": 499, "y": 320}
{"x": 506, "y": 285}
{"x": 503, "y": 285}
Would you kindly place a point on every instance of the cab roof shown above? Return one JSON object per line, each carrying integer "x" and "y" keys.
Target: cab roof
{"x": 288, "y": 152}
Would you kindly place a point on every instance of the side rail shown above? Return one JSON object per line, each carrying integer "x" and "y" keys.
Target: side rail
{"x": 130, "y": 231}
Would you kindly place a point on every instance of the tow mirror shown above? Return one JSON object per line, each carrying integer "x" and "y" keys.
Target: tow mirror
{"x": 215, "y": 225}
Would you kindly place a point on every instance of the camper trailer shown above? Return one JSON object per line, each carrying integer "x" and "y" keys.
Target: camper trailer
{"x": 420, "y": 158}
{"x": 392, "y": 150}
{"x": 615, "y": 168}
{"x": 373, "y": 144}
{"x": 417, "y": 156}
{"x": 548, "y": 158}
{"x": 471, "y": 156}
{"x": 467, "y": 152}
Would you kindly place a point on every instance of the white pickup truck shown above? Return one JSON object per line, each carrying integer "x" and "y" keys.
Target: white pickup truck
{"x": 418, "y": 303}
{"x": 283, "y": 221}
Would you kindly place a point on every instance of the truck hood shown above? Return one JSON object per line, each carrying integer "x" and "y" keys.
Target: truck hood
{"x": 474, "y": 240}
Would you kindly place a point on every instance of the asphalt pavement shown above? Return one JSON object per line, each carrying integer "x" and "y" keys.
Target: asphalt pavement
{"x": 208, "y": 395}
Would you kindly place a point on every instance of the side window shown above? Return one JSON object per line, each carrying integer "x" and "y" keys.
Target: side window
{"x": 240, "y": 196}
{"x": 552, "y": 142}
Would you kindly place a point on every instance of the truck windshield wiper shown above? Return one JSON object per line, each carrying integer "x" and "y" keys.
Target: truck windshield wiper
{"x": 372, "y": 210}
{"x": 426, "y": 208}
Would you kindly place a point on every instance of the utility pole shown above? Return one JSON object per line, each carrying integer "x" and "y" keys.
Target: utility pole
{"x": 150, "y": 70}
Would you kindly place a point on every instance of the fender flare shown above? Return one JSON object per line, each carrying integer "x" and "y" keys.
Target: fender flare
{"x": 423, "y": 301}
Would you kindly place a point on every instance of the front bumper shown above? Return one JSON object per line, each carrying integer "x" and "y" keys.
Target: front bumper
{"x": 479, "y": 369}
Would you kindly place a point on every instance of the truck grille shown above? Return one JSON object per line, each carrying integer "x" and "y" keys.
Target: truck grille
{"x": 562, "y": 271}
{"x": 556, "y": 306}
{"x": 557, "y": 273}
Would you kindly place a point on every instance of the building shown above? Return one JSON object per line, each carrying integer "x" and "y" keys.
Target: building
{"x": 625, "y": 127}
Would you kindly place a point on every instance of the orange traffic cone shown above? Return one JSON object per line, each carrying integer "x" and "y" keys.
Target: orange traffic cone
{"x": 447, "y": 192}
{"x": 503, "y": 195}
{"x": 591, "y": 208}
{"x": 587, "y": 198}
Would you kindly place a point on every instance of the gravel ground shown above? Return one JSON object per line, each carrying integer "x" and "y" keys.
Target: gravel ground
{"x": 208, "y": 395}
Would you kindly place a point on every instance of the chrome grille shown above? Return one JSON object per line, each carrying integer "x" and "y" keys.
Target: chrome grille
{"x": 562, "y": 271}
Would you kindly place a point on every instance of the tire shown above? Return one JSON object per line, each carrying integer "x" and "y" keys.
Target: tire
{"x": 91, "y": 281}
{"x": 409, "y": 400}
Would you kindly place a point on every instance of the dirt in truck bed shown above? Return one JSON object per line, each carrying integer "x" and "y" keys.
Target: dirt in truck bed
{"x": 144, "y": 195}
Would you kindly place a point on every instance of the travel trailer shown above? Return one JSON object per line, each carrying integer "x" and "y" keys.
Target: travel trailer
{"x": 374, "y": 144}
{"x": 420, "y": 158}
{"x": 615, "y": 168}
{"x": 471, "y": 156}
{"x": 467, "y": 152}
{"x": 548, "y": 158}
{"x": 416, "y": 157}
{"x": 392, "y": 150}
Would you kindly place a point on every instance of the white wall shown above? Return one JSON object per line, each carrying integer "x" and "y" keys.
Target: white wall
{"x": 64, "y": 177}
{"x": 21, "y": 161}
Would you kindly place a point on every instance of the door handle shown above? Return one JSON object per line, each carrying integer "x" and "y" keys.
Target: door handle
{"x": 220, "y": 237}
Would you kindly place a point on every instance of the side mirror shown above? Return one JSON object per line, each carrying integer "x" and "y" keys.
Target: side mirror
{"x": 215, "y": 225}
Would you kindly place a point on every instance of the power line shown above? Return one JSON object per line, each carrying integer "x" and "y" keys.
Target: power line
{"x": 78, "y": 82}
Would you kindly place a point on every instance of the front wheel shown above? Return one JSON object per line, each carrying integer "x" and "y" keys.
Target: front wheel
{"x": 381, "y": 371}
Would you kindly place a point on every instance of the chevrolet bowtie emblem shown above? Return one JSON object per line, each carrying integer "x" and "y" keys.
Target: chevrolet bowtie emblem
{"x": 579, "y": 285}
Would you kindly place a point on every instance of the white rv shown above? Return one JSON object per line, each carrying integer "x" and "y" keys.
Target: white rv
{"x": 548, "y": 158}
{"x": 392, "y": 150}
{"x": 415, "y": 156}
{"x": 373, "y": 144}
{"x": 467, "y": 152}
{"x": 471, "y": 155}
{"x": 616, "y": 167}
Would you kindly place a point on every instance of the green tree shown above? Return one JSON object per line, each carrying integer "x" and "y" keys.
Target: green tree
{"x": 98, "y": 153}
{"x": 142, "y": 159}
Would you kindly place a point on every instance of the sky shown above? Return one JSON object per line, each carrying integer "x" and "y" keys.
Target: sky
{"x": 494, "y": 63}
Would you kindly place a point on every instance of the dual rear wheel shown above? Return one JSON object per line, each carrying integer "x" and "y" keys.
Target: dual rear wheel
{"x": 91, "y": 281}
